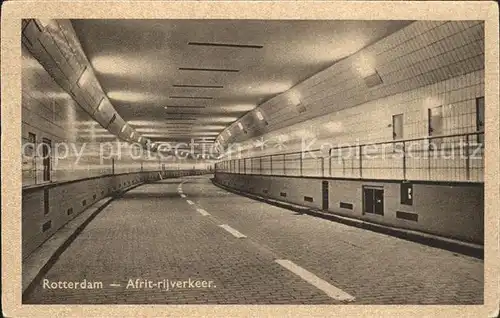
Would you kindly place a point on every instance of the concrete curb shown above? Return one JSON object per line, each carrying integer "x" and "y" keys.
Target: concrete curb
{"x": 42, "y": 259}
{"x": 465, "y": 248}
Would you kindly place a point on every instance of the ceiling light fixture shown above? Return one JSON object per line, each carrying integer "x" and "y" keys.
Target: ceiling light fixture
{"x": 250, "y": 46}
{"x": 259, "y": 115}
{"x": 184, "y": 107}
{"x": 364, "y": 64}
{"x": 295, "y": 97}
{"x": 83, "y": 77}
{"x": 101, "y": 104}
{"x": 207, "y": 69}
{"x": 218, "y": 119}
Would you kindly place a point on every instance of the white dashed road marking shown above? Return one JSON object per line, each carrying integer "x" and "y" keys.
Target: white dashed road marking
{"x": 203, "y": 212}
{"x": 183, "y": 195}
{"x": 314, "y": 280}
{"x": 327, "y": 288}
{"x": 232, "y": 231}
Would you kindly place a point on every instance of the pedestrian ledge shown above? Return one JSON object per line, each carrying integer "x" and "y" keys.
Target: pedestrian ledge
{"x": 40, "y": 261}
{"x": 457, "y": 246}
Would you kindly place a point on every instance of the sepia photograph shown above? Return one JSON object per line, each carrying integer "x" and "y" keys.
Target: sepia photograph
{"x": 218, "y": 160}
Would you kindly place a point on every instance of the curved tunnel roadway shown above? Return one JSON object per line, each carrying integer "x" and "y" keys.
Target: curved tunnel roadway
{"x": 242, "y": 251}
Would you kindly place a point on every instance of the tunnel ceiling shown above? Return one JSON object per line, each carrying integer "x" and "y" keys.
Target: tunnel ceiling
{"x": 173, "y": 80}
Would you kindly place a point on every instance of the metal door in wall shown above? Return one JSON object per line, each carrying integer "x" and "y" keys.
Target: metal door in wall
{"x": 373, "y": 200}
{"x": 397, "y": 127}
{"x": 367, "y": 200}
{"x": 46, "y": 151}
{"x": 378, "y": 201}
{"x": 325, "y": 195}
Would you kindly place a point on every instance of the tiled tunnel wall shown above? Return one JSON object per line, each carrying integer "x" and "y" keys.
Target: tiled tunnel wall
{"x": 449, "y": 210}
{"x": 45, "y": 209}
{"x": 84, "y": 146}
{"x": 423, "y": 66}
{"x": 81, "y": 169}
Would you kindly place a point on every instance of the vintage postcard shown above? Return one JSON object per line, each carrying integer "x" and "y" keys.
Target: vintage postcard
{"x": 250, "y": 158}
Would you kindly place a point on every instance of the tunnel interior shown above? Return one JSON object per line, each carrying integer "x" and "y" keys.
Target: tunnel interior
{"x": 378, "y": 124}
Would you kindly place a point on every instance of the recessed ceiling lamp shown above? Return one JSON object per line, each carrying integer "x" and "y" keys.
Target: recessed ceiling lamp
{"x": 259, "y": 115}
{"x": 183, "y": 107}
{"x": 180, "y": 119}
{"x": 200, "y": 133}
{"x": 127, "y": 96}
{"x": 218, "y": 120}
{"x": 294, "y": 97}
{"x": 208, "y": 69}
{"x": 373, "y": 80}
{"x": 231, "y": 45}
{"x": 83, "y": 77}
{"x": 235, "y": 108}
{"x": 241, "y": 127}
{"x": 295, "y": 100}
{"x": 364, "y": 65}
{"x": 101, "y": 104}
